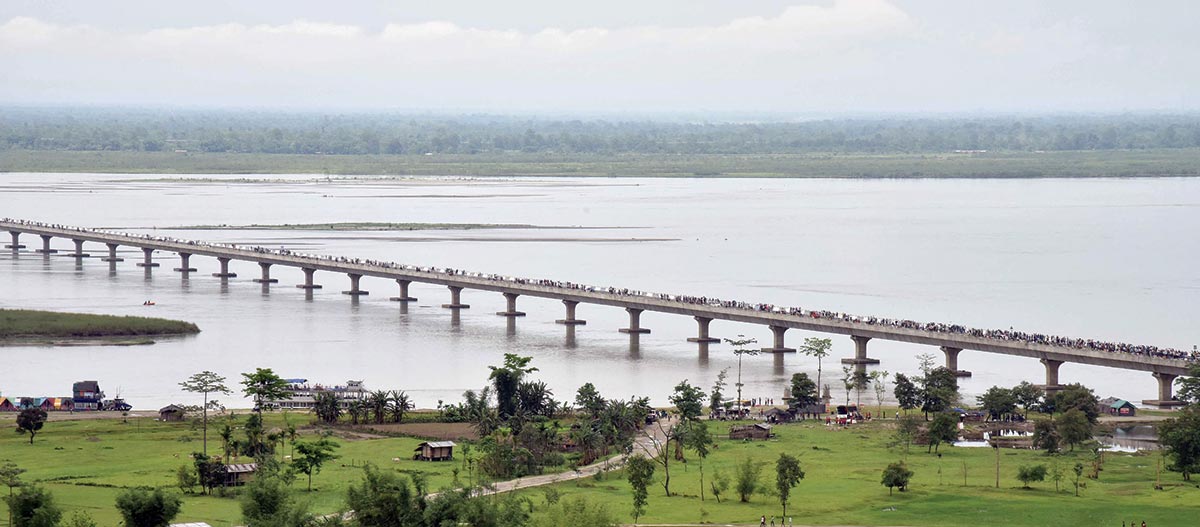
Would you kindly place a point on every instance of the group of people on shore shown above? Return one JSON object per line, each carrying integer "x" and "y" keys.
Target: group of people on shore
{"x": 1008, "y": 335}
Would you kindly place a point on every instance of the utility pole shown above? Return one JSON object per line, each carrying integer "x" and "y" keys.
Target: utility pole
{"x": 996, "y": 447}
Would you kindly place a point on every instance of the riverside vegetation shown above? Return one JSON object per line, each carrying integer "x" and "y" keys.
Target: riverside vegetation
{"x": 826, "y": 475}
{"x": 23, "y": 325}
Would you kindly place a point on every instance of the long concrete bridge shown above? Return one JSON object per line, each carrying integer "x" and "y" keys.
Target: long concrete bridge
{"x": 1164, "y": 369}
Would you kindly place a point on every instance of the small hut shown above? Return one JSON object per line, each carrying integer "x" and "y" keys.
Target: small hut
{"x": 434, "y": 451}
{"x": 239, "y": 474}
{"x": 171, "y": 413}
{"x": 1122, "y": 408}
{"x": 755, "y": 431}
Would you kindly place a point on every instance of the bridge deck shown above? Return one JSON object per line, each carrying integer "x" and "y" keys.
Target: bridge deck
{"x": 646, "y": 303}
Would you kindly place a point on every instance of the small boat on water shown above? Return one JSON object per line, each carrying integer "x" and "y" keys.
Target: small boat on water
{"x": 148, "y": 303}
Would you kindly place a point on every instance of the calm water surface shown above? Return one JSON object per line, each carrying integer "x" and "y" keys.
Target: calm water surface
{"x": 1111, "y": 259}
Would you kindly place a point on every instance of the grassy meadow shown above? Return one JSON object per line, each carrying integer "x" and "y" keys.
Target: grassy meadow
{"x": 842, "y": 485}
{"x": 86, "y": 462}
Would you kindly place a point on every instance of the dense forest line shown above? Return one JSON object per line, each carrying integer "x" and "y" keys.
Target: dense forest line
{"x": 227, "y": 131}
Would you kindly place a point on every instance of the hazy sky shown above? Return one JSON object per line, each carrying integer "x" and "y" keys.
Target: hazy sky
{"x": 831, "y": 56}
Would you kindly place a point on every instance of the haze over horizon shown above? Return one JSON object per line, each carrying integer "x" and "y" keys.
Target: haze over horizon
{"x": 775, "y": 57}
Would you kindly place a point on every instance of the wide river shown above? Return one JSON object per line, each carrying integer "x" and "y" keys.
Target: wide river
{"x": 1112, "y": 259}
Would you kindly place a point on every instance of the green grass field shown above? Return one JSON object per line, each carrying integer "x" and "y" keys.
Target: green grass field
{"x": 85, "y": 463}
{"x": 842, "y": 486}
{"x": 1105, "y": 163}
{"x": 22, "y": 323}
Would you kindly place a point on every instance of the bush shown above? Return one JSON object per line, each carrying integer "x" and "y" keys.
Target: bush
{"x": 1029, "y": 474}
{"x": 896, "y": 475}
{"x": 33, "y": 506}
{"x": 142, "y": 507}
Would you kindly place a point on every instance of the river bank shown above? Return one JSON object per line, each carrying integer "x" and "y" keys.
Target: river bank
{"x": 23, "y": 327}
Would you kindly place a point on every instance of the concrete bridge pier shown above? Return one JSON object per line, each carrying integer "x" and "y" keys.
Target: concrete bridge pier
{"x": 354, "y": 290}
{"x": 404, "y": 297}
{"x": 16, "y": 243}
{"x": 1052, "y": 384}
{"x": 510, "y": 309}
{"x": 184, "y": 266}
{"x": 778, "y": 345}
{"x": 308, "y": 280}
{"x": 635, "y": 324}
{"x": 1165, "y": 397}
{"x": 147, "y": 259}
{"x": 455, "y": 298}
{"x": 952, "y": 361}
{"x": 860, "y": 353}
{"x": 46, "y": 245}
{"x": 702, "y": 332}
{"x": 570, "y": 320}
{"x": 78, "y": 250}
{"x": 570, "y": 339}
{"x": 224, "y": 268}
{"x": 112, "y": 254}
{"x": 266, "y": 274}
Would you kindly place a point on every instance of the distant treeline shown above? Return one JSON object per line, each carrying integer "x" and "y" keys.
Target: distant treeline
{"x": 98, "y": 129}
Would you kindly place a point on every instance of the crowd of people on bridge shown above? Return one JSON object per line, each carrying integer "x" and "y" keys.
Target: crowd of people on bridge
{"x": 1006, "y": 335}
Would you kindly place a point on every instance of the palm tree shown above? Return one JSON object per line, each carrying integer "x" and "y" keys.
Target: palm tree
{"x": 358, "y": 411}
{"x": 378, "y": 401}
{"x": 227, "y": 441}
{"x": 400, "y": 405}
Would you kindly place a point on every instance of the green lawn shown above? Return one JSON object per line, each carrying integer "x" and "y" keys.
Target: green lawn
{"x": 842, "y": 486}
{"x": 86, "y": 463}
{"x": 24, "y": 323}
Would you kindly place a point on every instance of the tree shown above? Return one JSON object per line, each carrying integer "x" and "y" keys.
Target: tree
{"x": 906, "y": 392}
{"x": 698, "y": 439}
{"x": 861, "y": 382}
{"x": 747, "y": 479}
{"x": 1180, "y": 437}
{"x": 847, "y": 382}
{"x": 718, "y": 485}
{"x": 879, "y": 381}
{"x": 10, "y": 476}
{"x": 787, "y": 475}
{"x": 399, "y": 406}
{"x": 1079, "y": 397}
{"x": 819, "y": 348}
{"x": 143, "y": 507}
{"x": 384, "y": 499}
{"x": 327, "y": 407}
{"x": 998, "y": 402}
{"x": 939, "y": 390}
{"x": 378, "y": 402}
{"x": 588, "y": 399}
{"x": 264, "y": 387}
{"x": 1045, "y": 436}
{"x": 205, "y": 382}
{"x": 1074, "y": 427}
{"x": 311, "y": 456}
{"x": 804, "y": 393}
{"x": 717, "y": 396}
{"x": 1057, "y": 473}
{"x": 740, "y": 349}
{"x": 266, "y": 502}
{"x": 32, "y": 506}
{"x": 1028, "y": 396}
{"x": 209, "y": 472}
{"x": 30, "y": 421}
{"x": 906, "y": 432}
{"x": 688, "y": 400}
{"x": 1027, "y": 474}
{"x": 506, "y": 379}
{"x": 943, "y": 429}
{"x": 1189, "y": 385}
{"x": 186, "y": 479}
{"x": 896, "y": 475}
{"x": 639, "y": 471}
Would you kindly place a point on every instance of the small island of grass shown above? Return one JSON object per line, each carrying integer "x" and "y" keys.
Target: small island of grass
{"x": 23, "y": 326}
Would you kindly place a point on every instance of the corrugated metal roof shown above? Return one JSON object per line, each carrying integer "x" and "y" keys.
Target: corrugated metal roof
{"x": 436, "y": 444}
{"x": 197, "y": 524}
{"x": 241, "y": 468}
